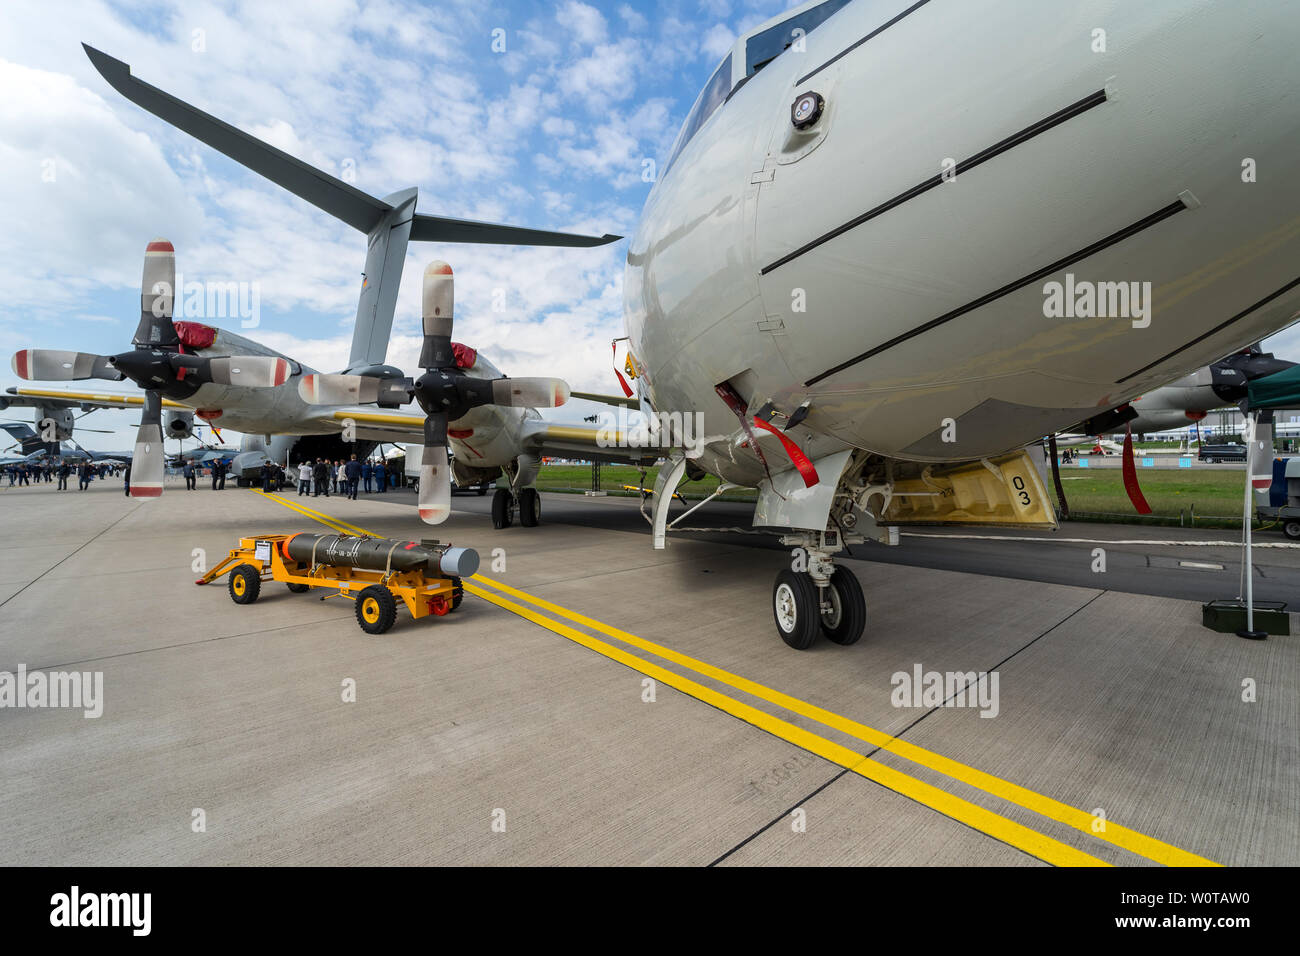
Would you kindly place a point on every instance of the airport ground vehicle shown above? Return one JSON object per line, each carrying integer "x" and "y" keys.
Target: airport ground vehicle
{"x": 373, "y": 573}
{"x": 1217, "y": 453}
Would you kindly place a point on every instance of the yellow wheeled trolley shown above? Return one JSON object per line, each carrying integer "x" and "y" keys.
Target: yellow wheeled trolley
{"x": 373, "y": 573}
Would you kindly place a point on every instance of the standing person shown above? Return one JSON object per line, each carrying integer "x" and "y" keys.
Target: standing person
{"x": 321, "y": 472}
{"x": 266, "y": 477}
{"x": 126, "y": 479}
{"x": 64, "y": 471}
{"x": 190, "y": 481}
{"x": 341, "y": 478}
{"x": 304, "y": 477}
{"x": 84, "y": 475}
{"x": 353, "y": 472}
{"x": 381, "y": 475}
{"x": 367, "y": 473}
{"x": 222, "y": 468}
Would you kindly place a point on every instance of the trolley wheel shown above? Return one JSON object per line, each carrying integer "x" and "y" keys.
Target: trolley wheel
{"x": 376, "y": 609}
{"x": 847, "y": 618}
{"x": 298, "y": 588}
{"x": 245, "y": 584}
{"x": 457, "y": 594}
{"x": 530, "y": 507}
{"x": 503, "y": 509}
{"x": 794, "y": 606}
{"x": 1292, "y": 529}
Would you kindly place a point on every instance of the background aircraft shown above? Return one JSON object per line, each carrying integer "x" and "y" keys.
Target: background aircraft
{"x": 500, "y": 432}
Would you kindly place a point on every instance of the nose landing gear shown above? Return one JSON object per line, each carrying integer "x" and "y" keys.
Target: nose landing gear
{"x": 814, "y": 595}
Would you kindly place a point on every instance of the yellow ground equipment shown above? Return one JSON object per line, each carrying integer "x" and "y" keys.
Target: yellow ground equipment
{"x": 373, "y": 573}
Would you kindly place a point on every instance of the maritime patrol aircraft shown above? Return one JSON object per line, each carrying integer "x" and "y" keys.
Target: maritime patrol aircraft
{"x": 851, "y": 269}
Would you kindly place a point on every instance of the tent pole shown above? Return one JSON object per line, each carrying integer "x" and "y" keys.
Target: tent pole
{"x": 1249, "y": 631}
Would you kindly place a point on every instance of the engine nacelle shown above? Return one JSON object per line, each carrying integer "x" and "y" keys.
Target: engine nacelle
{"x": 54, "y": 424}
{"x": 178, "y": 424}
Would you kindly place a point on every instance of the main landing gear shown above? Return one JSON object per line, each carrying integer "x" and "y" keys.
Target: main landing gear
{"x": 814, "y": 596}
{"x": 505, "y": 503}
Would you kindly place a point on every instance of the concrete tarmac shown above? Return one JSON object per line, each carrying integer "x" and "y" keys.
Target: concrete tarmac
{"x": 644, "y": 712}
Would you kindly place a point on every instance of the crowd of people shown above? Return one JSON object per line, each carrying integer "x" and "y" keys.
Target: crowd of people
{"x": 315, "y": 477}
{"x": 29, "y": 473}
{"x": 347, "y": 478}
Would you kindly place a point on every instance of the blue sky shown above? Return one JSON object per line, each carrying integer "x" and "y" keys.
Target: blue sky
{"x": 553, "y": 132}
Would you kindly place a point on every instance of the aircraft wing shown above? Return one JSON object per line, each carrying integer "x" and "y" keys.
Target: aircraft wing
{"x": 540, "y": 438}
{"x": 558, "y": 440}
{"x": 19, "y": 397}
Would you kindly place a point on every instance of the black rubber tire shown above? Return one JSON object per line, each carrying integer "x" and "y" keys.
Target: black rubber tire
{"x": 482, "y": 490}
{"x": 1292, "y": 529}
{"x": 795, "y": 593}
{"x": 846, "y": 594}
{"x": 530, "y": 507}
{"x": 245, "y": 584}
{"x": 385, "y": 609}
{"x": 503, "y": 509}
{"x": 298, "y": 588}
{"x": 458, "y": 594}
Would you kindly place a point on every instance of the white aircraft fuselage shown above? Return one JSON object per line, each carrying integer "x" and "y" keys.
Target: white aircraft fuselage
{"x": 817, "y": 266}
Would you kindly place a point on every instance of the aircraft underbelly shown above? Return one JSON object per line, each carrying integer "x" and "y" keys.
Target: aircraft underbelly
{"x": 947, "y": 287}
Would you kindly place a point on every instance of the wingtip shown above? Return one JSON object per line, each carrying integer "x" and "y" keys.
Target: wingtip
{"x": 104, "y": 63}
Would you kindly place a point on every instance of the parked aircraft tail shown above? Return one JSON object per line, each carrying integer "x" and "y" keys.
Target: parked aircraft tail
{"x": 389, "y": 223}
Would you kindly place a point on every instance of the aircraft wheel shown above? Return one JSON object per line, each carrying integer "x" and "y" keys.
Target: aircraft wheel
{"x": 503, "y": 509}
{"x": 458, "y": 594}
{"x": 794, "y": 607}
{"x": 847, "y": 618}
{"x": 298, "y": 588}
{"x": 1292, "y": 530}
{"x": 245, "y": 584}
{"x": 530, "y": 507}
{"x": 376, "y": 609}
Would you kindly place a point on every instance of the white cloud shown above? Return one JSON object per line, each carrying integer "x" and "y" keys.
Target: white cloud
{"x": 585, "y": 24}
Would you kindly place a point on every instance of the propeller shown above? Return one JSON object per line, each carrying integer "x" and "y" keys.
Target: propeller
{"x": 158, "y": 363}
{"x": 444, "y": 391}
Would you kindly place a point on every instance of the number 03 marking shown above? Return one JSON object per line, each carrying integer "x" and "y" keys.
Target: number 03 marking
{"x": 1019, "y": 484}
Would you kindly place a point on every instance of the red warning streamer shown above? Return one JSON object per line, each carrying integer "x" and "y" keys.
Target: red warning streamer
{"x": 1130, "y": 475}
{"x": 801, "y": 462}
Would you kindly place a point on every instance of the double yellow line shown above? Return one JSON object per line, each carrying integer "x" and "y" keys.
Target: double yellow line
{"x": 999, "y": 827}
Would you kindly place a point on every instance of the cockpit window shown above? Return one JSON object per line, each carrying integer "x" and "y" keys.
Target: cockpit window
{"x": 714, "y": 95}
{"x": 762, "y": 48}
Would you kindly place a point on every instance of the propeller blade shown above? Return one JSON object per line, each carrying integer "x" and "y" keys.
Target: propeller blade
{"x": 435, "y": 472}
{"x": 249, "y": 371}
{"x": 530, "y": 392}
{"x": 438, "y": 302}
{"x": 56, "y": 365}
{"x": 147, "y": 464}
{"x": 157, "y": 294}
{"x": 338, "y": 389}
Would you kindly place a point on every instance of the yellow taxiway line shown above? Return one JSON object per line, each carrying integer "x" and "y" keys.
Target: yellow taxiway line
{"x": 1015, "y": 834}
